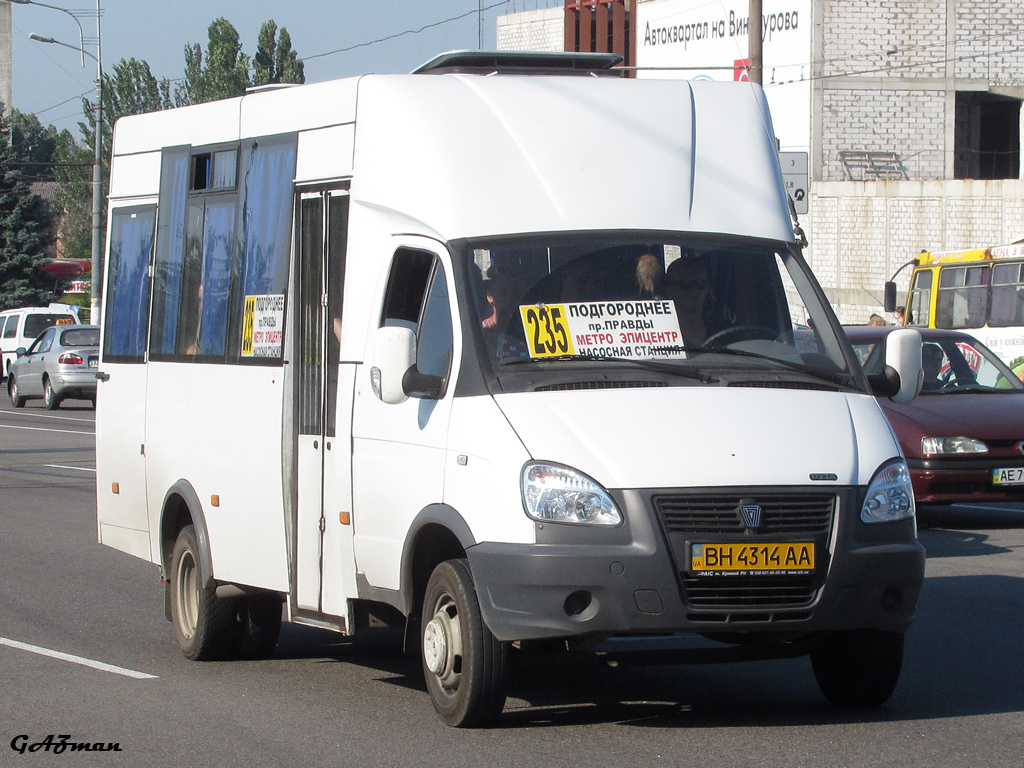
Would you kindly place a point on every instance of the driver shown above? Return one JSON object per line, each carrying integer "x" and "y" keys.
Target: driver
{"x": 931, "y": 364}
{"x": 688, "y": 284}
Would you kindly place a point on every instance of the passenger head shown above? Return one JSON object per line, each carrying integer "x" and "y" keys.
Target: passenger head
{"x": 583, "y": 279}
{"x": 687, "y": 282}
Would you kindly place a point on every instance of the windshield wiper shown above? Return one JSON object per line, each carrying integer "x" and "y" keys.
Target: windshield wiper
{"x": 651, "y": 365}
{"x": 834, "y": 378}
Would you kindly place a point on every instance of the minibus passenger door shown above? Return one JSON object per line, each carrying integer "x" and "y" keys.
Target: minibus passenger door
{"x": 121, "y": 387}
{"x": 324, "y": 571}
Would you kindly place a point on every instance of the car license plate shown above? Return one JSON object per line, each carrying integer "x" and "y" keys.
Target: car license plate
{"x": 1008, "y": 476}
{"x": 757, "y": 559}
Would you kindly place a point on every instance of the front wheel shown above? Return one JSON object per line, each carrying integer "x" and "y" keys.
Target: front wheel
{"x": 205, "y": 626}
{"x": 463, "y": 663}
{"x": 857, "y": 668}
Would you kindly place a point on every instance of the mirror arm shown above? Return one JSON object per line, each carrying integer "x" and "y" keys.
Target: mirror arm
{"x": 422, "y": 385}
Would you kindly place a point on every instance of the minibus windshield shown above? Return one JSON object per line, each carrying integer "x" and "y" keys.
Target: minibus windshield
{"x": 686, "y": 310}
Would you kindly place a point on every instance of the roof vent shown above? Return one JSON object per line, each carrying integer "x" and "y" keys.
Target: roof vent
{"x": 521, "y": 63}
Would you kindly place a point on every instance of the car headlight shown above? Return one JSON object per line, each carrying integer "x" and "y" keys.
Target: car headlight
{"x": 937, "y": 446}
{"x": 890, "y": 495}
{"x": 556, "y": 494}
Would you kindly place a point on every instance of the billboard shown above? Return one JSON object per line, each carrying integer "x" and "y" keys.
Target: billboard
{"x": 698, "y": 39}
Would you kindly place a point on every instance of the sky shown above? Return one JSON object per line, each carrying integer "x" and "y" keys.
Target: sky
{"x": 49, "y": 80}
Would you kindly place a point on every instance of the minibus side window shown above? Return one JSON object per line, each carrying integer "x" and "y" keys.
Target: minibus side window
{"x": 963, "y": 297}
{"x": 407, "y": 285}
{"x": 126, "y": 312}
{"x": 11, "y": 329}
{"x": 1007, "y": 295}
{"x": 920, "y": 299}
{"x": 434, "y": 343}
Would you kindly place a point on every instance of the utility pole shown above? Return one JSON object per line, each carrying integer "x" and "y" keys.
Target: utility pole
{"x": 755, "y": 68}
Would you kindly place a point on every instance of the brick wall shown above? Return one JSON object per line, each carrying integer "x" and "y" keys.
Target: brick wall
{"x": 862, "y": 232}
{"x": 541, "y": 30}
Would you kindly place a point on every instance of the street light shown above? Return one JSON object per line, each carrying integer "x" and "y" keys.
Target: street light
{"x": 97, "y": 167}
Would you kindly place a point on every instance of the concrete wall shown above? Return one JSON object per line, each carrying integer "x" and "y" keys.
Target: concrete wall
{"x": 862, "y": 232}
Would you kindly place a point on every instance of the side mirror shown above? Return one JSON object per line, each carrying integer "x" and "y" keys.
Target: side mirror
{"x": 394, "y": 353}
{"x": 890, "y": 296}
{"x": 20, "y": 351}
{"x": 903, "y": 363}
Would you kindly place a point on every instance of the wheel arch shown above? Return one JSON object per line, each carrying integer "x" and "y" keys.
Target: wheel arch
{"x": 182, "y": 507}
{"x": 437, "y": 533}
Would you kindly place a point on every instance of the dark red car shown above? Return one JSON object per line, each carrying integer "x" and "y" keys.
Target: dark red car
{"x": 963, "y": 436}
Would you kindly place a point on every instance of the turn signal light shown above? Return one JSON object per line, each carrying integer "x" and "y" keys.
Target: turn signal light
{"x": 70, "y": 358}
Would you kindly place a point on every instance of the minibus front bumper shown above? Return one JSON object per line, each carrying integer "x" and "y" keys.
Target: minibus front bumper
{"x": 635, "y": 579}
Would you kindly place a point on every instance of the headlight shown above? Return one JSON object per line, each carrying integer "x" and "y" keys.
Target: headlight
{"x": 935, "y": 446}
{"x": 556, "y": 494}
{"x": 890, "y": 495}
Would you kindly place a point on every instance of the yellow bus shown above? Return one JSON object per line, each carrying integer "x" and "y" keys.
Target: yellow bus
{"x": 977, "y": 290}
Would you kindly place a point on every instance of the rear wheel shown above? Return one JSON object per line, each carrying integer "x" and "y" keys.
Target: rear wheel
{"x": 205, "y": 626}
{"x": 857, "y": 668}
{"x": 463, "y": 663}
{"x": 12, "y": 389}
{"x": 49, "y": 396}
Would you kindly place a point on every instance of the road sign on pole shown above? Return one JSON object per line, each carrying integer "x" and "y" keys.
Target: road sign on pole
{"x": 794, "y": 175}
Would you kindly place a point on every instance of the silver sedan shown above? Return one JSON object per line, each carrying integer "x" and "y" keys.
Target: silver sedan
{"x": 60, "y": 364}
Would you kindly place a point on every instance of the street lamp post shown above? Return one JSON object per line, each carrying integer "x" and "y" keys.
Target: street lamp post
{"x": 96, "y": 276}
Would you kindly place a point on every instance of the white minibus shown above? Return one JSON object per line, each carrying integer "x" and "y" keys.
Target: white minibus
{"x": 504, "y": 352}
{"x": 19, "y": 328}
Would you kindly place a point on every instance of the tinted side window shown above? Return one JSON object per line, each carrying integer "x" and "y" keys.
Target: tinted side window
{"x": 407, "y": 286}
{"x": 38, "y": 322}
{"x": 126, "y": 313}
{"x": 11, "y": 328}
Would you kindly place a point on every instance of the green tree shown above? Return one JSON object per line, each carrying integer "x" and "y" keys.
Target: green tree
{"x": 275, "y": 60}
{"x": 24, "y": 227}
{"x": 35, "y": 144}
{"x": 221, "y": 74}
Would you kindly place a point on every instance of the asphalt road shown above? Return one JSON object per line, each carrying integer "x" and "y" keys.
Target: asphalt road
{"x": 85, "y": 652}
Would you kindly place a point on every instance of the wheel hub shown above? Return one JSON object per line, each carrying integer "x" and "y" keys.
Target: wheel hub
{"x": 442, "y": 645}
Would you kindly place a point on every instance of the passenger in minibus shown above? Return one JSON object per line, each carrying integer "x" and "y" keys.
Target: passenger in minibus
{"x": 688, "y": 284}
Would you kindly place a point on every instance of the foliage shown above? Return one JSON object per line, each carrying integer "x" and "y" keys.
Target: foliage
{"x": 24, "y": 230}
{"x": 223, "y": 73}
{"x": 275, "y": 60}
{"x": 36, "y": 144}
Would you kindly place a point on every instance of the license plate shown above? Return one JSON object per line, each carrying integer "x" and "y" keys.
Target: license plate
{"x": 1008, "y": 476}
{"x": 93, "y": 362}
{"x": 774, "y": 558}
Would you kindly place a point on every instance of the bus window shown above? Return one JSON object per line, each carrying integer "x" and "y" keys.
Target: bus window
{"x": 963, "y": 297}
{"x": 1007, "y": 295}
{"x": 920, "y": 299}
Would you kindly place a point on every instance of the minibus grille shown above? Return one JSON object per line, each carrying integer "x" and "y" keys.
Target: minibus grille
{"x": 785, "y": 385}
{"x": 577, "y": 385}
{"x": 794, "y": 514}
{"x": 748, "y": 593}
{"x": 688, "y": 518}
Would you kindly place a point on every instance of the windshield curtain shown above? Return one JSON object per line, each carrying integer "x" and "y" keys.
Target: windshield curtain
{"x": 684, "y": 303}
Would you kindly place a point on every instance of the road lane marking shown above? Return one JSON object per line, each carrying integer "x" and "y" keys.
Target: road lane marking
{"x": 990, "y": 509}
{"x": 65, "y": 466}
{"x": 35, "y": 415}
{"x": 40, "y": 429}
{"x": 77, "y": 659}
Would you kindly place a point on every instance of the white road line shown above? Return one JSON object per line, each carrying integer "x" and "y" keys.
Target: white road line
{"x": 37, "y": 415}
{"x": 40, "y": 429}
{"x": 76, "y": 660}
{"x": 991, "y": 509}
{"x": 65, "y": 466}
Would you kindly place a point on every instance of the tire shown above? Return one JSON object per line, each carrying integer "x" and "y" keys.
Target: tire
{"x": 12, "y": 389}
{"x": 857, "y": 668}
{"x": 463, "y": 663}
{"x": 205, "y": 626}
{"x": 259, "y": 625}
{"x": 50, "y": 398}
